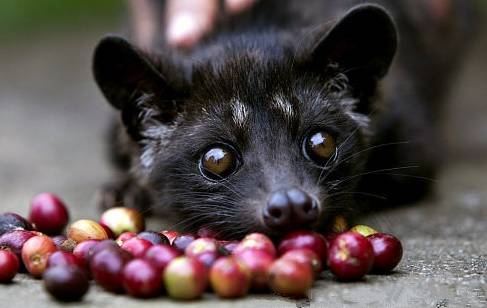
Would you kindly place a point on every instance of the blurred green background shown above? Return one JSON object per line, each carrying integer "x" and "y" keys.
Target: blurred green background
{"x": 29, "y": 17}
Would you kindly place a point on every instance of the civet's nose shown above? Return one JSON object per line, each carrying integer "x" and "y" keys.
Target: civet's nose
{"x": 290, "y": 208}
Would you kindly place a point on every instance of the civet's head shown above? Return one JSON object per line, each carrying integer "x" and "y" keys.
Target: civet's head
{"x": 254, "y": 138}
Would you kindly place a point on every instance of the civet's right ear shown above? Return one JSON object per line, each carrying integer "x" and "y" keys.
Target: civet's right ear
{"x": 132, "y": 84}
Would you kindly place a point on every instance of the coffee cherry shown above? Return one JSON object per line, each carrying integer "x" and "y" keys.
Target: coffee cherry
{"x": 35, "y": 253}
{"x": 228, "y": 246}
{"x": 182, "y": 241}
{"x": 109, "y": 231}
{"x": 204, "y": 249}
{"x": 82, "y": 252}
{"x": 364, "y": 230}
{"x": 136, "y": 246}
{"x": 141, "y": 279}
{"x": 228, "y": 278}
{"x": 122, "y": 219}
{"x": 125, "y": 237}
{"x": 256, "y": 241}
{"x": 185, "y": 278}
{"x": 58, "y": 258}
{"x": 107, "y": 266}
{"x": 64, "y": 243}
{"x": 11, "y": 222}
{"x": 102, "y": 245}
{"x": 161, "y": 255}
{"x": 387, "y": 252}
{"x": 14, "y": 240}
{"x": 85, "y": 229}
{"x": 48, "y": 213}
{"x": 350, "y": 256}
{"x": 305, "y": 256}
{"x": 257, "y": 262}
{"x": 9, "y": 266}
{"x": 171, "y": 235}
{"x": 304, "y": 239}
{"x": 153, "y": 237}
{"x": 65, "y": 282}
{"x": 291, "y": 278}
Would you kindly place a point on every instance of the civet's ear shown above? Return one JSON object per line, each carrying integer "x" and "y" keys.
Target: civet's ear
{"x": 362, "y": 43}
{"x": 132, "y": 84}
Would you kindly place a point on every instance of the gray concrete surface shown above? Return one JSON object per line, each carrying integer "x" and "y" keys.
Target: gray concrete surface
{"x": 52, "y": 119}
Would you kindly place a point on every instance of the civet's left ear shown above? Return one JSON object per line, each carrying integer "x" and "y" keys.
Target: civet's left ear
{"x": 362, "y": 43}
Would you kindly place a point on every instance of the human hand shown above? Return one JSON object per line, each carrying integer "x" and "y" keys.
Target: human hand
{"x": 188, "y": 21}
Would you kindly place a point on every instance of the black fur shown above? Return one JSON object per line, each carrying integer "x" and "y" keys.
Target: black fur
{"x": 175, "y": 106}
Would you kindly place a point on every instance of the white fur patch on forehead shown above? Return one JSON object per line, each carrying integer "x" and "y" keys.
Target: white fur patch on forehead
{"x": 282, "y": 105}
{"x": 240, "y": 113}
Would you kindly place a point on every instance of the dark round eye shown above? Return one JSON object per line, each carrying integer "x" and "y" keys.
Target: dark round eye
{"x": 218, "y": 162}
{"x": 319, "y": 147}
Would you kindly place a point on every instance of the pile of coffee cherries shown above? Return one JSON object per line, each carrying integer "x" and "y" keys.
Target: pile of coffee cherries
{"x": 122, "y": 257}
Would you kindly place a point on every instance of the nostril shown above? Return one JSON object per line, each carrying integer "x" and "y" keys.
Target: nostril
{"x": 307, "y": 207}
{"x": 276, "y": 213}
{"x": 304, "y": 208}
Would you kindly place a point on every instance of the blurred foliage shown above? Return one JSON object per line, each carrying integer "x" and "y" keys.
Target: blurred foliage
{"x": 26, "y": 17}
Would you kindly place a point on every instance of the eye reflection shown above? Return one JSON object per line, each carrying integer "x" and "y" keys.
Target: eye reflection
{"x": 320, "y": 147}
{"x": 218, "y": 162}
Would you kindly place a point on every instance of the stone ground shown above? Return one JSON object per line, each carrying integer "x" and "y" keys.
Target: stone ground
{"x": 52, "y": 119}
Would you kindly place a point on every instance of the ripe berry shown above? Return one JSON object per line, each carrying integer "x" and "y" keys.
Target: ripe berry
{"x": 125, "y": 237}
{"x": 109, "y": 231}
{"x": 228, "y": 246}
{"x": 11, "y": 221}
{"x": 257, "y": 263}
{"x": 65, "y": 282}
{"x": 48, "y": 213}
{"x": 141, "y": 279}
{"x": 387, "y": 252}
{"x": 228, "y": 278}
{"x": 107, "y": 266}
{"x": 350, "y": 256}
{"x": 304, "y": 239}
{"x": 82, "y": 252}
{"x": 182, "y": 241}
{"x": 58, "y": 258}
{"x": 85, "y": 229}
{"x": 153, "y": 237}
{"x": 123, "y": 219}
{"x": 185, "y": 278}
{"x": 136, "y": 246}
{"x": 204, "y": 249}
{"x": 305, "y": 256}
{"x": 171, "y": 235}
{"x": 9, "y": 266}
{"x": 102, "y": 245}
{"x": 14, "y": 240}
{"x": 35, "y": 253}
{"x": 161, "y": 255}
{"x": 291, "y": 278}
{"x": 256, "y": 241}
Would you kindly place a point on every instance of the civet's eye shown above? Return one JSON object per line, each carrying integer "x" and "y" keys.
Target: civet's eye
{"x": 219, "y": 162}
{"x": 319, "y": 147}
